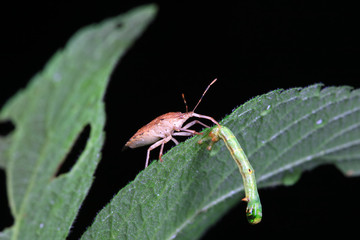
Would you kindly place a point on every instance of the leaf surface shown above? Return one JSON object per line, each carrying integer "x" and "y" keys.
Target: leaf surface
{"x": 283, "y": 134}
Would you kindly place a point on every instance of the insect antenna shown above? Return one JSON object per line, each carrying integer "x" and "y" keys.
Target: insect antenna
{"x": 186, "y": 106}
{"x": 203, "y": 95}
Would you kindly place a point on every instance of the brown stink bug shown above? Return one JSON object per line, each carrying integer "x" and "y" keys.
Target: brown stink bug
{"x": 162, "y": 129}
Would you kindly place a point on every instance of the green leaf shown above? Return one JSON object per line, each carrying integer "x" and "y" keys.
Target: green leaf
{"x": 48, "y": 116}
{"x": 283, "y": 133}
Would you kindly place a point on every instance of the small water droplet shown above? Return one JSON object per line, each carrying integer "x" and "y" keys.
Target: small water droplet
{"x": 266, "y": 111}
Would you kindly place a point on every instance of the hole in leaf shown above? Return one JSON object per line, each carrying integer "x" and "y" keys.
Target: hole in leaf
{"x": 75, "y": 151}
{"x": 6, "y": 219}
{"x": 6, "y": 128}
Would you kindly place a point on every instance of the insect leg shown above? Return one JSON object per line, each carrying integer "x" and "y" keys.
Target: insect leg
{"x": 213, "y": 137}
{"x": 190, "y": 124}
{"x": 206, "y": 117}
{"x": 161, "y": 151}
{"x": 155, "y": 145}
{"x": 184, "y": 134}
{"x": 175, "y": 141}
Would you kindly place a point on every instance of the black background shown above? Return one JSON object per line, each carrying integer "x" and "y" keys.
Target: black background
{"x": 251, "y": 47}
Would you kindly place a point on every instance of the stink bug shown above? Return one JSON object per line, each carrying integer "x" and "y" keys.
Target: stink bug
{"x": 162, "y": 129}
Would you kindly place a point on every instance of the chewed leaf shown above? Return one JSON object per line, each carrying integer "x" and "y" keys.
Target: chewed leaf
{"x": 48, "y": 116}
{"x": 283, "y": 133}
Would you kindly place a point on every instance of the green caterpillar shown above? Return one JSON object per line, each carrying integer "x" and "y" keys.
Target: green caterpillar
{"x": 254, "y": 209}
